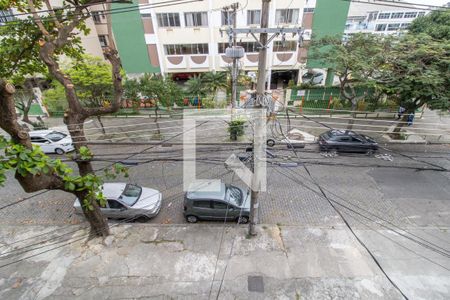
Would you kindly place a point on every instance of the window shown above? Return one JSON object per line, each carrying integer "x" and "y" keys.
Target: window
{"x": 196, "y": 19}
{"x": 421, "y": 14}
{"x": 228, "y": 18}
{"x": 253, "y": 17}
{"x": 97, "y": 16}
{"x": 146, "y": 16}
{"x": 55, "y": 136}
{"x": 397, "y": 15}
{"x": 113, "y": 204}
{"x": 168, "y": 19}
{"x": 103, "y": 40}
{"x": 38, "y": 140}
{"x": 249, "y": 47}
{"x": 184, "y": 49}
{"x": 308, "y": 9}
{"x": 289, "y": 46}
{"x": 380, "y": 27}
{"x": 393, "y": 27}
{"x": 286, "y": 16}
{"x": 5, "y": 16}
{"x": 219, "y": 205}
{"x": 412, "y": 14}
{"x": 202, "y": 204}
{"x": 405, "y": 25}
{"x": 384, "y": 16}
{"x": 131, "y": 194}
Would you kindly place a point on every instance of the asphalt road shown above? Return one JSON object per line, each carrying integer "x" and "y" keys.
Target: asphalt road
{"x": 409, "y": 189}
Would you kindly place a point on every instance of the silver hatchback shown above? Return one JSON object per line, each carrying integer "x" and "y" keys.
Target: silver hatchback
{"x": 223, "y": 202}
{"x": 128, "y": 201}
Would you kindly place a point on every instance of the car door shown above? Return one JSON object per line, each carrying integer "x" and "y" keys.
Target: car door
{"x": 343, "y": 143}
{"x": 115, "y": 209}
{"x": 358, "y": 145}
{"x": 202, "y": 209}
{"x": 43, "y": 143}
{"x": 221, "y": 210}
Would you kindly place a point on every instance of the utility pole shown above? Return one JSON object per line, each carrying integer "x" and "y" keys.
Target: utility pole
{"x": 260, "y": 102}
{"x": 230, "y": 13}
{"x": 260, "y": 90}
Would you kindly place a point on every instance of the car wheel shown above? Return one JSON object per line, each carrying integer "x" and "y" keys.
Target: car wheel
{"x": 142, "y": 219}
{"x": 192, "y": 219}
{"x": 59, "y": 151}
{"x": 242, "y": 220}
{"x": 270, "y": 142}
{"x": 369, "y": 152}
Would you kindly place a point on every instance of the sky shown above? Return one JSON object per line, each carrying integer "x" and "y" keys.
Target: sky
{"x": 429, "y": 2}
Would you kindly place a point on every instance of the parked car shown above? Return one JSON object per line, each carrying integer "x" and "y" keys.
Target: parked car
{"x": 52, "y": 141}
{"x": 224, "y": 202}
{"x": 128, "y": 201}
{"x": 346, "y": 141}
{"x": 294, "y": 138}
{"x": 312, "y": 78}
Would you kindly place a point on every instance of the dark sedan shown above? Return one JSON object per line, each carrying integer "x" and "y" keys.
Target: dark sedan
{"x": 346, "y": 141}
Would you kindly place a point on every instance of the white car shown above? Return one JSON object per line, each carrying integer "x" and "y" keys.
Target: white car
{"x": 128, "y": 201}
{"x": 295, "y": 138}
{"x": 52, "y": 141}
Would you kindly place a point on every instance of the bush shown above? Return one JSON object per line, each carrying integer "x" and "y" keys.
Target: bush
{"x": 236, "y": 128}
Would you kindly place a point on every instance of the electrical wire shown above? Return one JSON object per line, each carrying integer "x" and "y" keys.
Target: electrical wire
{"x": 105, "y": 12}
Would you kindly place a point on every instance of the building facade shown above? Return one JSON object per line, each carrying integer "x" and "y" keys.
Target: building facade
{"x": 186, "y": 39}
{"x": 380, "y": 19}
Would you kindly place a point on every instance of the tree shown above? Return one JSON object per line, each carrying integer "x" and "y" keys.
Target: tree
{"x": 162, "y": 91}
{"x": 195, "y": 86}
{"x": 416, "y": 73}
{"x": 31, "y": 46}
{"x": 131, "y": 92}
{"x": 214, "y": 82}
{"x": 355, "y": 61}
{"x": 436, "y": 24}
{"x": 92, "y": 77}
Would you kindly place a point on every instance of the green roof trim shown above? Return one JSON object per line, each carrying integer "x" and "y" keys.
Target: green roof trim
{"x": 329, "y": 20}
{"x": 129, "y": 36}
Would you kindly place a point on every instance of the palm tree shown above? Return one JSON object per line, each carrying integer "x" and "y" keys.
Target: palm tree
{"x": 195, "y": 86}
{"x": 214, "y": 82}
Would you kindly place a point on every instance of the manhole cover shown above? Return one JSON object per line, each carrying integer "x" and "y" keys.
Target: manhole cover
{"x": 255, "y": 284}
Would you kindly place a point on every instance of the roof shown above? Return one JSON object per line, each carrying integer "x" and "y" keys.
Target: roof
{"x": 113, "y": 190}
{"x": 206, "y": 189}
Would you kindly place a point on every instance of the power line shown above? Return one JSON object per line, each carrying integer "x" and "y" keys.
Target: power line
{"x": 105, "y": 11}
{"x": 408, "y": 5}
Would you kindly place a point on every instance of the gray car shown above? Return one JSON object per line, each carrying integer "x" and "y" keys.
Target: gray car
{"x": 128, "y": 201}
{"x": 223, "y": 202}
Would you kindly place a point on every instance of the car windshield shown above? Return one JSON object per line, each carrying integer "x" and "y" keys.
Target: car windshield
{"x": 55, "y": 136}
{"x": 131, "y": 194}
{"x": 234, "y": 195}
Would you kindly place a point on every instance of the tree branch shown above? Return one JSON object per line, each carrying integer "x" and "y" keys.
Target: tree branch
{"x": 52, "y": 13}
{"x": 37, "y": 18}
{"x": 113, "y": 57}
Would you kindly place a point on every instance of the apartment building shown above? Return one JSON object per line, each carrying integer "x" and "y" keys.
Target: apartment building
{"x": 381, "y": 19}
{"x": 186, "y": 39}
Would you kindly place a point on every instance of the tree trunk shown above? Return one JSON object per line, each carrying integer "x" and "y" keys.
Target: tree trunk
{"x": 99, "y": 224}
{"x": 398, "y": 127}
{"x": 99, "y": 118}
{"x": 158, "y": 130}
{"x": 352, "y": 116}
{"x": 26, "y": 111}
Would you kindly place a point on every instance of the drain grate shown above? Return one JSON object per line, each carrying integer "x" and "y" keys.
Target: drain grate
{"x": 255, "y": 284}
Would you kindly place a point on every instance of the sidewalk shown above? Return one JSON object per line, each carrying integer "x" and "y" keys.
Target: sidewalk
{"x": 184, "y": 262}
{"x": 432, "y": 122}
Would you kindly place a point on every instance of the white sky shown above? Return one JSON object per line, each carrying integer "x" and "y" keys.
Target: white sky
{"x": 429, "y": 2}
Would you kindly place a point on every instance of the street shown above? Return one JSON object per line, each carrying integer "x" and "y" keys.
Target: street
{"x": 321, "y": 215}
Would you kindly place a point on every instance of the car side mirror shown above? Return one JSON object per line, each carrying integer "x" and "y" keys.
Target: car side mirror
{"x": 123, "y": 208}
{"x": 231, "y": 208}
